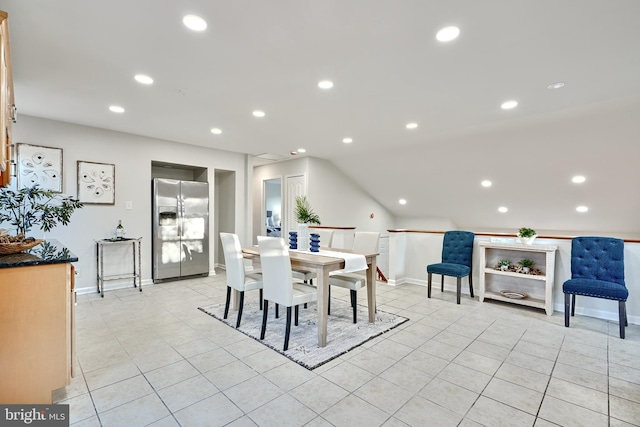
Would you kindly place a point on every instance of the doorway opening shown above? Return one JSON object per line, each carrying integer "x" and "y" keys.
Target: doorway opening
{"x": 272, "y": 212}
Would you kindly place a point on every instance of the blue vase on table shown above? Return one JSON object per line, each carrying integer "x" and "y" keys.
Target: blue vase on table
{"x": 314, "y": 245}
{"x": 293, "y": 240}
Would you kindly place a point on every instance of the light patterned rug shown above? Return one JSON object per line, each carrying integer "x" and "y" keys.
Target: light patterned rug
{"x": 342, "y": 334}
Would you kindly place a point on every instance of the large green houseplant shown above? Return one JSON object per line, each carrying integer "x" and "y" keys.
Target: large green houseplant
{"x": 34, "y": 206}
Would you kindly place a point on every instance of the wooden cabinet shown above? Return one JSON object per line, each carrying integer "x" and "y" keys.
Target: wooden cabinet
{"x": 36, "y": 332}
{"x": 7, "y": 103}
{"x": 538, "y": 288}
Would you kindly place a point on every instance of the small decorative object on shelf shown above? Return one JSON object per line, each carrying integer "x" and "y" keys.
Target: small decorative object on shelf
{"x": 526, "y": 265}
{"x": 513, "y": 294}
{"x": 120, "y": 231}
{"x": 527, "y": 235}
{"x": 314, "y": 246}
{"x": 293, "y": 240}
{"x": 504, "y": 264}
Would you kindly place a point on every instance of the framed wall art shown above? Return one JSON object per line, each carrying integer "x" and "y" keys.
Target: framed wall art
{"x": 96, "y": 183}
{"x": 39, "y": 165}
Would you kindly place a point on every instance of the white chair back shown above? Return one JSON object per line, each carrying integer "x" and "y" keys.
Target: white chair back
{"x": 276, "y": 270}
{"x": 325, "y": 237}
{"x": 233, "y": 260}
{"x": 366, "y": 241}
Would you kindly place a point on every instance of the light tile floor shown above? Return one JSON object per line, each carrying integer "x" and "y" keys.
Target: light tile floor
{"x": 153, "y": 358}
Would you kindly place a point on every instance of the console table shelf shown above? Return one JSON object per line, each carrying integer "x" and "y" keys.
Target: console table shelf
{"x": 538, "y": 288}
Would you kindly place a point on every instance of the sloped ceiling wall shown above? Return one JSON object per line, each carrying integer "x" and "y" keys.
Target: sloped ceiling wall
{"x": 530, "y": 165}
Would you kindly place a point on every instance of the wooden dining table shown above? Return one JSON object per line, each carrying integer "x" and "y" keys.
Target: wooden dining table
{"x": 323, "y": 265}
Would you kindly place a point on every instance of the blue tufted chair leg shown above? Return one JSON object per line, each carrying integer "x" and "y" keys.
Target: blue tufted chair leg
{"x": 470, "y": 285}
{"x": 442, "y": 283}
{"x": 458, "y": 289}
{"x": 567, "y": 308}
{"x": 573, "y": 304}
{"x": 623, "y": 317}
{"x": 429, "y": 285}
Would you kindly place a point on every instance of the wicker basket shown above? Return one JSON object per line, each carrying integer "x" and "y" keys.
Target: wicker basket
{"x": 16, "y": 247}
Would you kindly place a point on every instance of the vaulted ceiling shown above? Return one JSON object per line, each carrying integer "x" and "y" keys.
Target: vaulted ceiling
{"x": 73, "y": 59}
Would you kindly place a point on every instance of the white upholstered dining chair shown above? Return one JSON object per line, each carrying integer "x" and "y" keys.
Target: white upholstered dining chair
{"x": 237, "y": 278}
{"x": 279, "y": 285}
{"x": 364, "y": 242}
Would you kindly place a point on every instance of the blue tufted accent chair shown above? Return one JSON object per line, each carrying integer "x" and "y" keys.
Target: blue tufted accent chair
{"x": 457, "y": 253}
{"x": 597, "y": 270}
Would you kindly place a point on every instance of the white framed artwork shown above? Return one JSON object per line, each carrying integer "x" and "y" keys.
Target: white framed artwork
{"x": 39, "y": 165}
{"x": 96, "y": 183}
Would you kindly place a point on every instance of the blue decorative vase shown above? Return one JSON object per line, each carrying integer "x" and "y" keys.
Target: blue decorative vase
{"x": 314, "y": 245}
{"x": 293, "y": 240}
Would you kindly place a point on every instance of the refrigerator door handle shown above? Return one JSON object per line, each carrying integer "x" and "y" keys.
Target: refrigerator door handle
{"x": 179, "y": 215}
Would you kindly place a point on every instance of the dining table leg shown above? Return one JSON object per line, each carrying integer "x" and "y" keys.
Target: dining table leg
{"x": 372, "y": 273}
{"x": 322, "y": 284}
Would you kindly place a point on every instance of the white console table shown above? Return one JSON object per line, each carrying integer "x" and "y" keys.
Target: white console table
{"x": 539, "y": 288}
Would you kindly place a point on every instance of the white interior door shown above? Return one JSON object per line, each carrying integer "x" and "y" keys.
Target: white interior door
{"x": 296, "y": 185}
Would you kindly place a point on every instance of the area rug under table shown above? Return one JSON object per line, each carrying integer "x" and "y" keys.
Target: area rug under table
{"x": 342, "y": 334}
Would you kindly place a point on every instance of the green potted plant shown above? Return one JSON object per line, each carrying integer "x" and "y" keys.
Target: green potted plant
{"x": 504, "y": 264}
{"x": 526, "y": 265}
{"x": 527, "y": 235}
{"x": 304, "y": 213}
{"x": 34, "y": 206}
{"x": 304, "y": 216}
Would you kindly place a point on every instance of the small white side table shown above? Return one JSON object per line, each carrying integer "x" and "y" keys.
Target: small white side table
{"x": 538, "y": 288}
{"x": 135, "y": 275}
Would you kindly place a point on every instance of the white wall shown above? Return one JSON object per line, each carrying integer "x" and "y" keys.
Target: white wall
{"x": 410, "y": 253}
{"x": 132, "y": 156}
{"x": 333, "y": 196}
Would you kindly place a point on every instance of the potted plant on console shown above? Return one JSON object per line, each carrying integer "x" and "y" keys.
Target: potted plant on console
{"x": 504, "y": 264}
{"x": 304, "y": 216}
{"x": 29, "y": 207}
{"x": 527, "y": 235}
{"x": 526, "y": 265}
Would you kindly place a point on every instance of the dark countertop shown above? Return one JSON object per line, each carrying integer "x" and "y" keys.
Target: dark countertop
{"x": 47, "y": 252}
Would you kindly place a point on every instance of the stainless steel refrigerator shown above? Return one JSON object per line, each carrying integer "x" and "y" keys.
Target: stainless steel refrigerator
{"x": 180, "y": 229}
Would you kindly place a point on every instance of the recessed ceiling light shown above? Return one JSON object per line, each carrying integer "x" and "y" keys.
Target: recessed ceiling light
{"x": 347, "y": 140}
{"x": 582, "y": 209}
{"x": 402, "y": 201}
{"x": 258, "y": 113}
{"x": 116, "y": 109}
{"x": 411, "y": 125}
{"x": 448, "y": 33}
{"x": 486, "y": 183}
{"x": 194, "y": 22}
{"x": 557, "y": 85}
{"x": 508, "y": 105}
{"x": 145, "y": 80}
{"x": 502, "y": 209}
{"x": 578, "y": 179}
{"x": 325, "y": 84}
{"x": 301, "y": 150}
{"x": 216, "y": 131}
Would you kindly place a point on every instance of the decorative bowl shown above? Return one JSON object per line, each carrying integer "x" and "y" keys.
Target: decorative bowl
{"x": 513, "y": 294}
